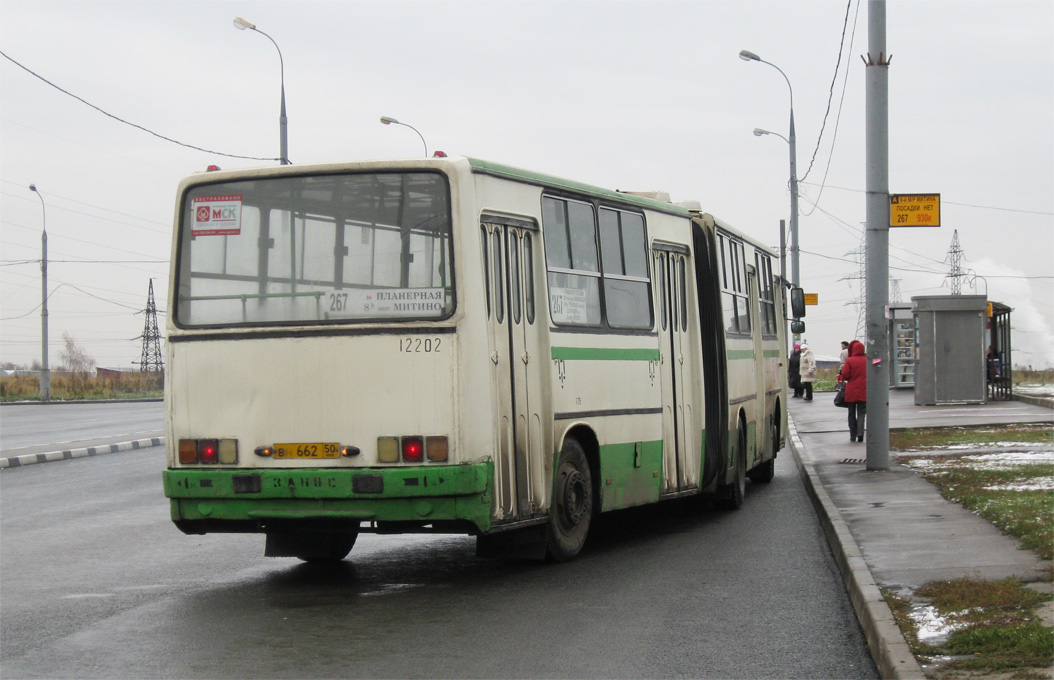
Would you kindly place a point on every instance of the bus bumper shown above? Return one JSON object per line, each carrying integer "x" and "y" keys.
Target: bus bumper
{"x": 251, "y": 500}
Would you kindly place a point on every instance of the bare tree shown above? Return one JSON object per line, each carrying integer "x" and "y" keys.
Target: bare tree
{"x": 78, "y": 364}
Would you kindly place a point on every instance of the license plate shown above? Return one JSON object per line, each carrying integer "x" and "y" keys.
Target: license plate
{"x": 307, "y": 451}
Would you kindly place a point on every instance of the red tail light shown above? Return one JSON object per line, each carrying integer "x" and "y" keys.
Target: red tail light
{"x": 413, "y": 449}
{"x": 208, "y": 451}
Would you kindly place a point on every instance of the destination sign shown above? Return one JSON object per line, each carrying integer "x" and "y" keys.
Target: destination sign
{"x": 914, "y": 210}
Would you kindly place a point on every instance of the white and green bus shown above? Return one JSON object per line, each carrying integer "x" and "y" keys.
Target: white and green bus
{"x": 456, "y": 346}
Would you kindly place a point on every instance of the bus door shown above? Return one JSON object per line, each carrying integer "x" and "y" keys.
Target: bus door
{"x": 671, "y": 267}
{"x": 511, "y": 252}
{"x": 757, "y": 328}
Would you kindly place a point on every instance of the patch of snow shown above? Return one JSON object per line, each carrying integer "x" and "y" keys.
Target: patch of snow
{"x": 931, "y": 625}
{"x": 1035, "y": 390}
{"x": 1003, "y": 460}
{"x": 1039, "y": 484}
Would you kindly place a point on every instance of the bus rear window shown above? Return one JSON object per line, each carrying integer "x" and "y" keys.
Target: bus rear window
{"x": 326, "y": 248}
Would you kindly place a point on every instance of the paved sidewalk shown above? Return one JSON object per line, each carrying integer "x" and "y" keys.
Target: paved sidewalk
{"x": 892, "y": 528}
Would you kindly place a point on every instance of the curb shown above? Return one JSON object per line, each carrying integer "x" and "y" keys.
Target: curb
{"x": 59, "y": 402}
{"x": 33, "y": 458}
{"x": 888, "y": 647}
{"x": 1046, "y": 402}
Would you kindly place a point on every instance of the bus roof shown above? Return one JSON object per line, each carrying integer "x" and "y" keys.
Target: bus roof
{"x": 483, "y": 167}
{"x": 541, "y": 179}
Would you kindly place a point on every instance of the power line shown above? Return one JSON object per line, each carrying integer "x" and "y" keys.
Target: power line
{"x": 167, "y": 225}
{"x": 830, "y": 93}
{"x": 943, "y": 201}
{"x": 121, "y": 120}
{"x": 838, "y": 118}
{"x": 4, "y": 263}
{"x": 79, "y": 240}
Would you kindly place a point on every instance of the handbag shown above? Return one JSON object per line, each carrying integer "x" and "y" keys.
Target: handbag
{"x": 839, "y": 396}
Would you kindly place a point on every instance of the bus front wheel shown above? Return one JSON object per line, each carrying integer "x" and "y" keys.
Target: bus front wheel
{"x": 572, "y": 508}
{"x": 737, "y": 490}
{"x": 764, "y": 473}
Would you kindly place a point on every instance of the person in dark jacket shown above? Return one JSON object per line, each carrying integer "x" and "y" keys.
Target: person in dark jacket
{"x": 794, "y": 371}
{"x": 854, "y": 374}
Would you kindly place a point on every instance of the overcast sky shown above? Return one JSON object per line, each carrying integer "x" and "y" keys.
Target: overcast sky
{"x": 628, "y": 95}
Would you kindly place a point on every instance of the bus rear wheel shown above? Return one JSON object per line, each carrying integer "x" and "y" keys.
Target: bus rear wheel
{"x": 572, "y": 507}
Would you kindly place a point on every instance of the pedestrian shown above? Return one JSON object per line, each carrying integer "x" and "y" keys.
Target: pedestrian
{"x": 843, "y": 355}
{"x": 808, "y": 370}
{"x": 992, "y": 364}
{"x": 854, "y": 374}
{"x": 794, "y": 371}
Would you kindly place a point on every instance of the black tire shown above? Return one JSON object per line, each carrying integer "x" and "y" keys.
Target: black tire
{"x": 327, "y": 547}
{"x": 763, "y": 474}
{"x": 732, "y": 498}
{"x": 311, "y": 547}
{"x": 572, "y": 507}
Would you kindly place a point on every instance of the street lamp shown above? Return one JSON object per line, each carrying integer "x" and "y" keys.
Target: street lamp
{"x": 388, "y": 120}
{"x": 759, "y": 132}
{"x": 45, "y": 374}
{"x": 750, "y": 56}
{"x": 241, "y": 25}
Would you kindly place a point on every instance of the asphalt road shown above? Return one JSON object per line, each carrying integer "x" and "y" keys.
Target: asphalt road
{"x": 95, "y": 582}
{"x": 40, "y": 428}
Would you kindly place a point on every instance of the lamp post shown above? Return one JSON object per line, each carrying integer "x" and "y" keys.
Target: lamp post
{"x": 283, "y": 141}
{"x": 790, "y": 139}
{"x": 45, "y": 374}
{"x": 758, "y": 132}
{"x": 388, "y": 120}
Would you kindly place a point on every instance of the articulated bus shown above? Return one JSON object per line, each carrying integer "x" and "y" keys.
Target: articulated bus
{"x": 452, "y": 345}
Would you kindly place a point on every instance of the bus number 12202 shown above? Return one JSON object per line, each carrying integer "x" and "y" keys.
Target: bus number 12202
{"x": 419, "y": 344}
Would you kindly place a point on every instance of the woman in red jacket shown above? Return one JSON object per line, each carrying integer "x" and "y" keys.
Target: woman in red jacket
{"x": 854, "y": 373}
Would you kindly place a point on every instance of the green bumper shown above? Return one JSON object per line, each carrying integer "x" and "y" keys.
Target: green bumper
{"x": 213, "y": 497}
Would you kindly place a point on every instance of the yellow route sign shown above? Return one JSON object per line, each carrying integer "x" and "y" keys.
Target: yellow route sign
{"x": 812, "y": 298}
{"x": 914, "y": 210}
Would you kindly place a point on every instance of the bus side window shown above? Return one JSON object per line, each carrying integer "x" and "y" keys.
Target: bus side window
{"x": 485, "y": 240}
{"x": 660, "y": 277}
{"x": 528, "y": 277}
{"x": 682, "y": 292}
{"x": 515, "y": 308}
{"x": 627, "y": 288}
{"x": 499, "y": 277}
{"x": 571, "y": 254}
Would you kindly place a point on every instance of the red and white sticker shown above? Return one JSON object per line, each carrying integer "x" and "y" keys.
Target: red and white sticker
{"x": 217, "y": 215}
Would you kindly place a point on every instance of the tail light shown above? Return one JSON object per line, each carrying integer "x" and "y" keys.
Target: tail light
{"x": 387, "y": 449}
{"x": 437, "y": 448}
{"x": 208, "y": 451}
{"x": 188, "y": 451}
{"x": 413, "y": 449}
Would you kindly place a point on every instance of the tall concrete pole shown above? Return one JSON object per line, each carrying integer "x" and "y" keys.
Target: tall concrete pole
{"x": 877, "y": 241}
{"x": 45, "y": 373}
{"x": 792, "y": 142}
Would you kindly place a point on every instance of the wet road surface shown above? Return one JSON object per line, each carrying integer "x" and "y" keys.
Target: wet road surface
{"x": 95, "y": 582}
